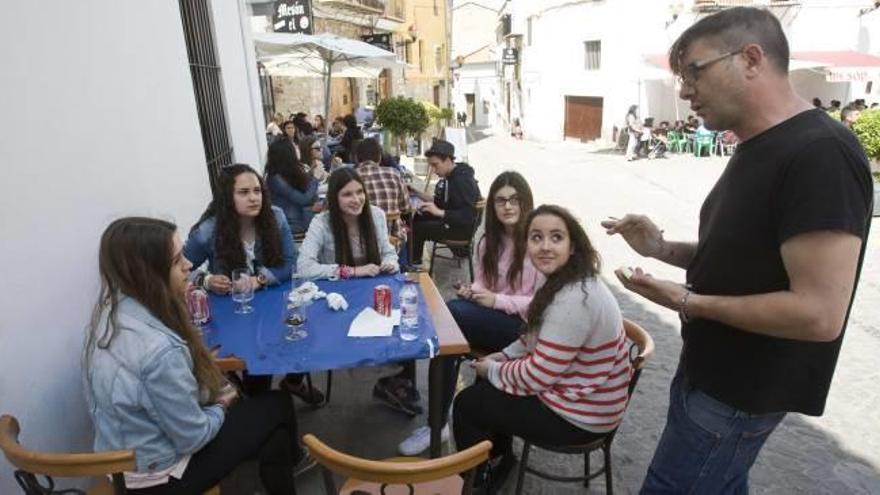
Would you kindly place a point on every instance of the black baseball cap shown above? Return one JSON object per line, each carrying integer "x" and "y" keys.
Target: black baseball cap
{"x": 441, "y": 148}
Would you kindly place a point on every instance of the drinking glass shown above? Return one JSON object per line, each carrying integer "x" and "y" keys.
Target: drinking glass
{"x": 197, "y": 304}
{"x": 242, "y": 291}
{"x": 295, "y": 318}
{"x": 296, "y": 313}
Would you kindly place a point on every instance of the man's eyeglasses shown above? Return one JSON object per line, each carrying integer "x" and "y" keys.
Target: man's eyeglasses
{"x": 501, "y": 201}
{"x": 691, "y": 72}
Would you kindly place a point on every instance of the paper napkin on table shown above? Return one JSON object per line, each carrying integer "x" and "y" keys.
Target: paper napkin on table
{"x": 369, "y": 323}
{"x": 336, "y": 302}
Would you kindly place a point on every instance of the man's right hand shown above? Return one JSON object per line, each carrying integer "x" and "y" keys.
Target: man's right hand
{"x": 639, "y": 232}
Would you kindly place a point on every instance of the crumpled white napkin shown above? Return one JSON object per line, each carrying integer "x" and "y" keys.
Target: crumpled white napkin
{"x": 336, "y": 302}
{"x": 306, "y": 292}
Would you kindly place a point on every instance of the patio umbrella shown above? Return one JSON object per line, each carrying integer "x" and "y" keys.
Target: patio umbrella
{"x": 323, "y": 55}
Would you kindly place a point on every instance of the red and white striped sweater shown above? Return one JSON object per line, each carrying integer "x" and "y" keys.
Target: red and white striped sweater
{"x": 577, "y": 363}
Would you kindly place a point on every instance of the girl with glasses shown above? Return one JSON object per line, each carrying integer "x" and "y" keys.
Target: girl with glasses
{"x": 491, "y": 312}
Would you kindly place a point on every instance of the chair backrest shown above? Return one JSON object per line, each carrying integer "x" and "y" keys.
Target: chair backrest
{"x": 480, "y": 207}
{"x": 56, "y": 464}
{"x": 644, "y": 344}
{"x": 398, "y": 473}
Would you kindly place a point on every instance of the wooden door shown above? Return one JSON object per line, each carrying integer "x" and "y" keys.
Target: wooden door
{"x": 583, "y": 117}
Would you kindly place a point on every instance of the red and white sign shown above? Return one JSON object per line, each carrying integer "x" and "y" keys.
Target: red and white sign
{"x": 852, "y": 74}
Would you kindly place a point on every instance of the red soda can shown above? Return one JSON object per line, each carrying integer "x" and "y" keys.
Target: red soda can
{"x": 382, "y": 300}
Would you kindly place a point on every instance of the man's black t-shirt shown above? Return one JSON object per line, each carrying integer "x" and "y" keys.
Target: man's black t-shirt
{"x": 806, "y": 174}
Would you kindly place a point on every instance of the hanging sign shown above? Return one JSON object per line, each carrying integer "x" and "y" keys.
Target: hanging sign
{"x": 292, "y": 16}
{"x": 509, "y": 56}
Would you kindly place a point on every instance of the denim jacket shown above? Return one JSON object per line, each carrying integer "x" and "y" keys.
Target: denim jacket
{"x": 143, "y": 395}
{"x": 200, "y": 247}
{"x": 319, "y": 247}
{"x": 296, "y": 204}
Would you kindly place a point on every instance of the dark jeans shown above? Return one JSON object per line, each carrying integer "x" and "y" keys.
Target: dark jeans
{"x": 254, "y": 385}
{"x": 482, "y": 412}
{"x": 263, "y": 428}
{"x": 486, "y": 330}
{"x": 706, "y": 446}
{"x": 430, "y": 228}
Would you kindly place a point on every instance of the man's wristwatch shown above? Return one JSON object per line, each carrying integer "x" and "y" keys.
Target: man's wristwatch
{"x": 262, "y": 280}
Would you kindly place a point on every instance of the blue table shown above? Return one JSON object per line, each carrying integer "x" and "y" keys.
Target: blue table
{"x": 255, "y": 341}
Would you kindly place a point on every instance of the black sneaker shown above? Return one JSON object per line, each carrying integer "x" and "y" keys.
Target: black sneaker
{"x": 309, "y": 395}
{"x": 499, "y": 468}
{"x": 399, "y": 395}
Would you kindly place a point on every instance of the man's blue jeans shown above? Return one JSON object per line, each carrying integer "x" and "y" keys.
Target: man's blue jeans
{"x": 706, "y": 446}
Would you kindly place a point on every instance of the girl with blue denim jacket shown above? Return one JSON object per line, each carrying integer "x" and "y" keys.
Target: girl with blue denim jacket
{"x": 152, "y": 386}
{"x": 241, "y": 229}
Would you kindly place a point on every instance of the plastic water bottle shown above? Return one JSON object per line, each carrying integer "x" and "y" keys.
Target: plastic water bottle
{"x": 409, "y": 311}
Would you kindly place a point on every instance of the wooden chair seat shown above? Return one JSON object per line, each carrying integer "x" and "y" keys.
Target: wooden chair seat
{"x": 450, "y": 474}
{"x": 450, "y": 484}
{"x": 643, "y": 345}
{"x": 100, "y": 465}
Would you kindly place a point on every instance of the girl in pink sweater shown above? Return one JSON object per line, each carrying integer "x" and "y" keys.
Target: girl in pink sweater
{"x": 492, "y": 311}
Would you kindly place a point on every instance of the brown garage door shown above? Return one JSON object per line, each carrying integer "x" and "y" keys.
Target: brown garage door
{"x": 583, "y": 117}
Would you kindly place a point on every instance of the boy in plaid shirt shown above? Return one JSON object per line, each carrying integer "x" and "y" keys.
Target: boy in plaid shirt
{"x": 384, "y": 185}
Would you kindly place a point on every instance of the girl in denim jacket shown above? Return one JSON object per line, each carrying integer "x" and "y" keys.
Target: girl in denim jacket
{"x": 152, "y": 386}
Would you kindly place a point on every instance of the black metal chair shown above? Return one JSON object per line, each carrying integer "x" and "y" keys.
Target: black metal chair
{"x": 456, "y": 247}
{"x": 644, "y": 344}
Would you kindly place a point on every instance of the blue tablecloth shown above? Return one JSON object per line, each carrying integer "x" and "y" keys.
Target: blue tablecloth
{"x": 258, "y": 337}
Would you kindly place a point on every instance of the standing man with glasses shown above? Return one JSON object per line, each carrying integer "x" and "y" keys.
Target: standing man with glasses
{"x": 771, "y": 278}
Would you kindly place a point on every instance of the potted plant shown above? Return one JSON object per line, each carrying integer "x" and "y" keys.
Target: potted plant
{"x": 867, "y": 129}
{"x": 402, "y": 117}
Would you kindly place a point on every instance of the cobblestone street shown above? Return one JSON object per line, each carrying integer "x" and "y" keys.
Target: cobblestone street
{"x": 836, "y": 453}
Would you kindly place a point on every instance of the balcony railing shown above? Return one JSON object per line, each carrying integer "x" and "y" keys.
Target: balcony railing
{"x": 716, "y": 5}
{"x": 359, "y": 6}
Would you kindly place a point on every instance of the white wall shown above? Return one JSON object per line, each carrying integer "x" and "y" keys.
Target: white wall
{"x": 241, "y": 90}
{"x": 98, "y": 121}
{"x": 553, "y": 66}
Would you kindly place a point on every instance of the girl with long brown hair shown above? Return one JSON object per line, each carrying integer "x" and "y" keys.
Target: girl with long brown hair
{"x": 350, "y": 239}
{"x": 152, "y": 386}
{"x": 491, "y": 311}
{"x": 564, "y": 381}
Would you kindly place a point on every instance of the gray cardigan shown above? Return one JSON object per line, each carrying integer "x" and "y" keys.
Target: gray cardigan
{"x": 317, "y": 255}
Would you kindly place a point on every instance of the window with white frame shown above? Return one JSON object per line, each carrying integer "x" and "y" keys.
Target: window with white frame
{"x": 593, "y": 55}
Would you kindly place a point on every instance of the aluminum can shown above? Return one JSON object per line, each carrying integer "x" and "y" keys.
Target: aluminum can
{"x": 382, "y": 300}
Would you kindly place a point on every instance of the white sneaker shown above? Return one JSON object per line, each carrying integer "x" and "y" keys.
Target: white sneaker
{"x": 420, "y": 439}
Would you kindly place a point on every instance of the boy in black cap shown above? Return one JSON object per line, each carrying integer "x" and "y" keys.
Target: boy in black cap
{"x": 450, "y": 212}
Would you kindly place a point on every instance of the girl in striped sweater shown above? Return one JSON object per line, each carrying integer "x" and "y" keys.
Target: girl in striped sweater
{"x": 564, "y": 381}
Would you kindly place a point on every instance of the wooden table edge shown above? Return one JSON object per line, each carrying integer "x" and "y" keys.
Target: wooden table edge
{"x": 449, "y": 336}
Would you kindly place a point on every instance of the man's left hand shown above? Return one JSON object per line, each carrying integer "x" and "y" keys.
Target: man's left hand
{"x": 663, "y": 292}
